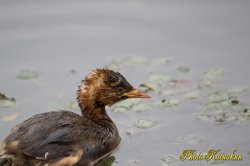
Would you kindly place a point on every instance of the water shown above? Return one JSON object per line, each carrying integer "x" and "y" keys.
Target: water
{"x": 54, "y": 37}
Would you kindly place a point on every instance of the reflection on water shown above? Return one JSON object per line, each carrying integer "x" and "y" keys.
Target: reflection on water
{"x": 54, "y": 38}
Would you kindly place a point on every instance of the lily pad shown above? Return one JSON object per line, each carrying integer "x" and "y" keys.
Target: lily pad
{"x": 6, "y": 102}
{"x": 129, "y": 105}
{"x": 203, "y": 117}
{"x": 145, "y": 123}
{"x": 206, "y": 85}
{"x": 215, "y": 162}
{"x": 214, "y": 74}
{"x": 236, "y": 90}
{"x": 234, "y": 101}
{"x": 159, "y": 79}
{"x": 146, "y": 88}
{"x": 27, "y": 74}
{"x": 168, "y": 102}
{"x": 127, "y": 62}
{"x": 192, "y": 95}
{"x": 211, "y": 106}
{"x": 161, "y": 61}
{"x": 168, "y": 160}
{"x": 9, "y": 118}
{"x": 140, "y": 107}
{"x": 108, "y": 161}
{"x": 183, "y": 69}
{"x": 218, "y": 97}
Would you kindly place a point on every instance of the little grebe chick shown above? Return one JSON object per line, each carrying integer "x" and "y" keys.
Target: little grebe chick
{"x": 63, "y": 138}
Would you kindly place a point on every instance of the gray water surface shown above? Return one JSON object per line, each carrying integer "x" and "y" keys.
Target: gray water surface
{"x": 54, "y": 37}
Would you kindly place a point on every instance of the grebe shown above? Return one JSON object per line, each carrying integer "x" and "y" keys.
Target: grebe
{"x": 63, "y": 138}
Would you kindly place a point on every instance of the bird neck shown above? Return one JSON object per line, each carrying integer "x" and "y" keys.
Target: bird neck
{"x": 90, "y": 107}
{"x": 98, "y": 115}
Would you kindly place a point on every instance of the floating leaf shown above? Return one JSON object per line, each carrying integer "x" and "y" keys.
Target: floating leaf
{"x": 5, "y": 101}
{"x": 206, "y": 85}
{"x": 245, "y": 110}
{"x": 235, "y": 102}
{"x": 215, "y": 161}
{"x": 145, "y": 124}
{"x": 159, "y": 79}
{"x": 192, "y": 95}
{"x": 203, "y": 117}
{"x": 127, "y": 62}
{"x": 168, "y": 160}
{"x": 218, "y": 97}
{"x": 161, "y": 61}
{"x": 9, "y": 118}
{"x": 27, "y": 74}
{"x": 140, "y": 107}
{"x": 211, "y": 106}
{"x": 183, "y": 69}
{"x": 107, "y": 161}
{"x": 214, "y": 74}
{"x": 168, "y": 102}
{"x": 146, "y": 88}
{"x": 236, "y": 90}
{"x": 126, "y": 105}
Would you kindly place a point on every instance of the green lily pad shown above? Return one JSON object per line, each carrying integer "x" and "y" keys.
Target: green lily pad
{"x": 234, "y": 101}
{"x": 168, "y": 102}
{"x": 214, "y": 74}
{"x": 140, "y": 107}
{"x": 236, "y": 90}
{"x": 127, "y": 62}
{"x": 215, "y": 161}
{"x": 146, "y": 88}
{"x": 203, "y": 117}
{"x": 218, "y": 97}
{"x": 211, "y": 106}
{"x": 108, "y": 161}
{"x": 183, "y": 69}
{"x": 159, "y": 79}
{"x": 145, "y": 123}
{"x": 27, "y": 74}
{"x": 192, "y": 95}
{"x": 245, "y": 110}
{"x": 161, "y": 61}
{"x": 206, "y": 85}
{"x": 129, "y": 105}
{"x": 6, "y": 102}
{"x": 168, "y": 160}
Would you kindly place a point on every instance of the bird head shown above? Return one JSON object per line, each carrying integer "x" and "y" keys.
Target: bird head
{"x": 104, "y": 87}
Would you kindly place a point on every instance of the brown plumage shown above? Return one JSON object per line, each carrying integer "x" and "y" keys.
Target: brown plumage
{"x": 63, "y": 138}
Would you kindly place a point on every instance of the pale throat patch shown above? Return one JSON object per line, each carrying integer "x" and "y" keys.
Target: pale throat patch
{"x": 89, "y": 90}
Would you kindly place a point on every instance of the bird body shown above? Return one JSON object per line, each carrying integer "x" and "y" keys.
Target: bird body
{"x": 64, "y": 138}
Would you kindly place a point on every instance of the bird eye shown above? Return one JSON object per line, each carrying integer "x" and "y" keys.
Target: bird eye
{"x": 120, "y": 90}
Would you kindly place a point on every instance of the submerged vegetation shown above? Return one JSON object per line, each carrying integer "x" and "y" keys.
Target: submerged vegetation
{"x": 5, "y": 101}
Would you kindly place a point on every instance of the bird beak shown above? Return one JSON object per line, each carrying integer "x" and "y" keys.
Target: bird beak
{"x": 134, "y": 93}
